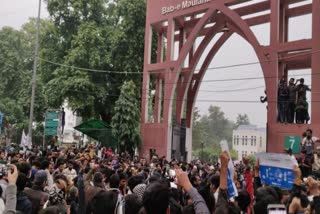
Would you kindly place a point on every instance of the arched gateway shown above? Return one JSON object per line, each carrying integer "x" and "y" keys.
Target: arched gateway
{"x": 170, "y": 81}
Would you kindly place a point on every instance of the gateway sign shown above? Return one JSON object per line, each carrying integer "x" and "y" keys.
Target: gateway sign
{"x": 183, "y": 5}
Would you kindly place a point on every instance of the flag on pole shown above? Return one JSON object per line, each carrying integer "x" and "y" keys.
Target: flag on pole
{"x": 24, "y": 140}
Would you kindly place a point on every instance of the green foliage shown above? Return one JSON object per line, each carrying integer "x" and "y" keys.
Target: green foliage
{"x": 242, "y": 119}
{"x": 16, "y": 63}
{"x": 211, "y": 128}
{"x": 252, "y": 159}
{"x": 13, "y": 113}
{"x": 94, "y": 34}
{"x": 196, "y": 129}
{"x": 126, "y": 120}
{"x": 209, "y": 154}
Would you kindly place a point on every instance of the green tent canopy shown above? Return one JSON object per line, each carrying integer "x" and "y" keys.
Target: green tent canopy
{"x": 99, "y": 131}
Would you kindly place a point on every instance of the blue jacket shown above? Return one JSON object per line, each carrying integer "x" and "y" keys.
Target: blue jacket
{"x": 23, "y": 203}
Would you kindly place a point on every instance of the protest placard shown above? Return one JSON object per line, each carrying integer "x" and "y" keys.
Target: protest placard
{"x": 276, "y": 169}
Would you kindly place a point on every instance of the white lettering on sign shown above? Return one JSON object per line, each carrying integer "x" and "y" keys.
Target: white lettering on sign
{"x": 180, "y": 6}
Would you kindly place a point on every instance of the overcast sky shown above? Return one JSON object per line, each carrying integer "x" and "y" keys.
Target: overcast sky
{"x": 236, "y": 50}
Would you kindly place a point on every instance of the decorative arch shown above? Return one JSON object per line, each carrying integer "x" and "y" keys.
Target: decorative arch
{"x": 177, "y": 84}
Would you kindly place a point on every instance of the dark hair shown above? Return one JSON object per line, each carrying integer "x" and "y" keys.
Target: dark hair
{"x": 123, "y": 175}
{"x": 86, "y": 170}
{"x": 204, "y": 191}
{"x": 300, "y": 193}
{"x": 114, "y": 181}
{"x": 107, "y": 174}
{"x": 134, "y": 181}
{"x": 103, "y": 202}
{"x": 60, "y": 162}
{"x": 15, "y": 162}
{"x": 36, "y": 163}
{"x": 71, "y": 162}
{"x": 24, "y": 168}
{"x": 45, "y": 164}
{"x": 244, "y": 200}
{"x": 264, "y": 197}
{"x": 193, "y": 179}
{"x": 146, "y": 170}
{"x": 153, "y": 179}
{"x": 97, "y": 178}
{"x": 132, "y": 204}
{"x": 156, "y": 198}
{"x": 309, "y": 130}
{"x": 21, "y": 182}
{"x": 215, "y": 180}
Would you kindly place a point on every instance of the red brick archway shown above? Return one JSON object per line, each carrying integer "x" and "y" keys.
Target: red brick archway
{"x": 176, "y": 24}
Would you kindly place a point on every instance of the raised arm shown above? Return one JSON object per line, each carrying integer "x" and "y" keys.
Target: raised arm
{"x": 222, "y": 203}
{"x": 257, "y": 180}
{"x": 11, "y": 191}
{"x": 200, "y": 206}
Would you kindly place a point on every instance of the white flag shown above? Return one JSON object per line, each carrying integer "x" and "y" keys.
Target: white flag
{"x": 23, "y": 137}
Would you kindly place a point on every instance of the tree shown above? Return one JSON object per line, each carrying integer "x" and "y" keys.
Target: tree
{"x": 95, "y": 34}
{"x": 210, "y": 154}
{"x": 196, "y": 129}
{"x": 126, "y": 120}
{"x": 16, "y": 60}
{"x": 211, "y": 129}
{"x": 242, "y": 119}
{"x": 252, "y": 159}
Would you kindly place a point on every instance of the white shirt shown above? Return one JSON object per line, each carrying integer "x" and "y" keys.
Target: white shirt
{"x": 215, "y": 194}
{"x": 71, "y": 174}
{"x": 306, "y": 141}
{"x": 50, "y": 179}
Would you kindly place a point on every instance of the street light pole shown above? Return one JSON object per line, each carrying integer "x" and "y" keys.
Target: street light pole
{"x": 34, "y": 76}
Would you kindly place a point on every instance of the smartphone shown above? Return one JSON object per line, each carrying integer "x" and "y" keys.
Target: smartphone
{"x": 4, "y": 169}
{"x": 276, "y": 209}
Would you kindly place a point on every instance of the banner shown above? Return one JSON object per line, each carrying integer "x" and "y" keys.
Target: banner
{"x": 277, "y": 169}
{"x": 232, "y": 190}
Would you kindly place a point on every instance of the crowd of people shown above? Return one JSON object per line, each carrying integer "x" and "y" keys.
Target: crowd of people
{"x": 96, "y": 180}
{"x": 292, "y": 101}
